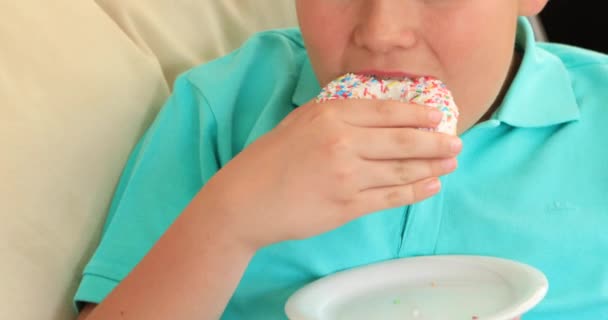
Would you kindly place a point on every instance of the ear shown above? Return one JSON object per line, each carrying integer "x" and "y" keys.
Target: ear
{"x": 531, "y": 7}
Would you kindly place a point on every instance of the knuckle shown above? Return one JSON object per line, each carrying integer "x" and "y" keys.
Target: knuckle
{"x": 345, "y": 202}
{"x": 416, "y": 195}
{"x": 336, "y": 145}
{"x": 345, "y": 177}
{"x": 324, "y": 114}
{"x": 403, "y": 171}
{"x": 404, "y": 138}
{"x": 383, "y": 109}
{"x": 396, "y": 198}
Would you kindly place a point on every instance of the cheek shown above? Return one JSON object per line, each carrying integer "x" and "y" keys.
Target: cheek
{"x": 322, "y": 43}
{"x": 462, "y": 38}
{"x": 326, "y": 37}
{"x": 460, "y": 44}
{"x": 475, "y": 58}
{"x": 326, "y": 51}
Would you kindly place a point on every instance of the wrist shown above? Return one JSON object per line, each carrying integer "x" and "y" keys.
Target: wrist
{"x": 221, "y": 225}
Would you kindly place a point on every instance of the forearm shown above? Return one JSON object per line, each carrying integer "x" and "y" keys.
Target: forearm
{"x": 190, "y": 273}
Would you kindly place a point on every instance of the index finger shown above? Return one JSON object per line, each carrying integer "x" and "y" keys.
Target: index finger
{"x": 386, "y": 113}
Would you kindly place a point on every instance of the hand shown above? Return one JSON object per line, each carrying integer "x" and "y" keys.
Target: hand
{"x": 327, "y": 164}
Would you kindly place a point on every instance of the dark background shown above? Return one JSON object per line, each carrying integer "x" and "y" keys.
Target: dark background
{"x": 583, "y": 23}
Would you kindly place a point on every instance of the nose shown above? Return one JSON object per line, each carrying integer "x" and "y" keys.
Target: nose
{"x": 386, "y": 25}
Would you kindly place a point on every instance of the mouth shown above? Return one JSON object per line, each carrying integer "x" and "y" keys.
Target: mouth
{"x": 381, "y": 74}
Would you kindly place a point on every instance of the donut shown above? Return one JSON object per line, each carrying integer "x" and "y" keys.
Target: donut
{"x": 426, "y": 91}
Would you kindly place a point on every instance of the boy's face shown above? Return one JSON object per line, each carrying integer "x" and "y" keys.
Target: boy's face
{"x": 468, "y": 44}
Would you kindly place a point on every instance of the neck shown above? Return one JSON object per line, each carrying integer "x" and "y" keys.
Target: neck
{"x": 516, "y": 62}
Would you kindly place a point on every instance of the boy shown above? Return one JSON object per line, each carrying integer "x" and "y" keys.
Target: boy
{"x": 299, "y": 180}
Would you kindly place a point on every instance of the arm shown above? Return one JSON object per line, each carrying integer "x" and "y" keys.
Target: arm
{"x": 264, "y": 196}
{"x": 190, "y": 273}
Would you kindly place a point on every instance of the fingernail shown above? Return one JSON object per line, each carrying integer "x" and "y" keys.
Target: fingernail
{"x": 433, "y": 186}
{"x": 456, "y": 145}
{"x": 435, "y": 116}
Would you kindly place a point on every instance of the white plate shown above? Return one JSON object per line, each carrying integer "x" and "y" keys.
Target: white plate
{"x": 423, "y": 288}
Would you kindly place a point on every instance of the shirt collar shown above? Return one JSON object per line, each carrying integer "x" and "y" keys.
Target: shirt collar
{"x": 541, "y": 93}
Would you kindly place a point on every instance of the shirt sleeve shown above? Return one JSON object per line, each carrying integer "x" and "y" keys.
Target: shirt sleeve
{"x": 169, "y": 165}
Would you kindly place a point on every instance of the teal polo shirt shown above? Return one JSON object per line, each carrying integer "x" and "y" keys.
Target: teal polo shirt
{"x": 532, "y": 183}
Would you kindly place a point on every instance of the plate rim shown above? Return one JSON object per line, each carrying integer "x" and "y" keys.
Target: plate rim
{"x": 523, "y": 305}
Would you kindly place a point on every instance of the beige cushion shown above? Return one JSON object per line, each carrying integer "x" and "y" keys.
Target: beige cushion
{"x": 185, "y": 33}
{"x": 79, "y": 83}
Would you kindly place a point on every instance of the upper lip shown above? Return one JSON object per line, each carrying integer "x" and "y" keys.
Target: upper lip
{"x": 388, "y": 74}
